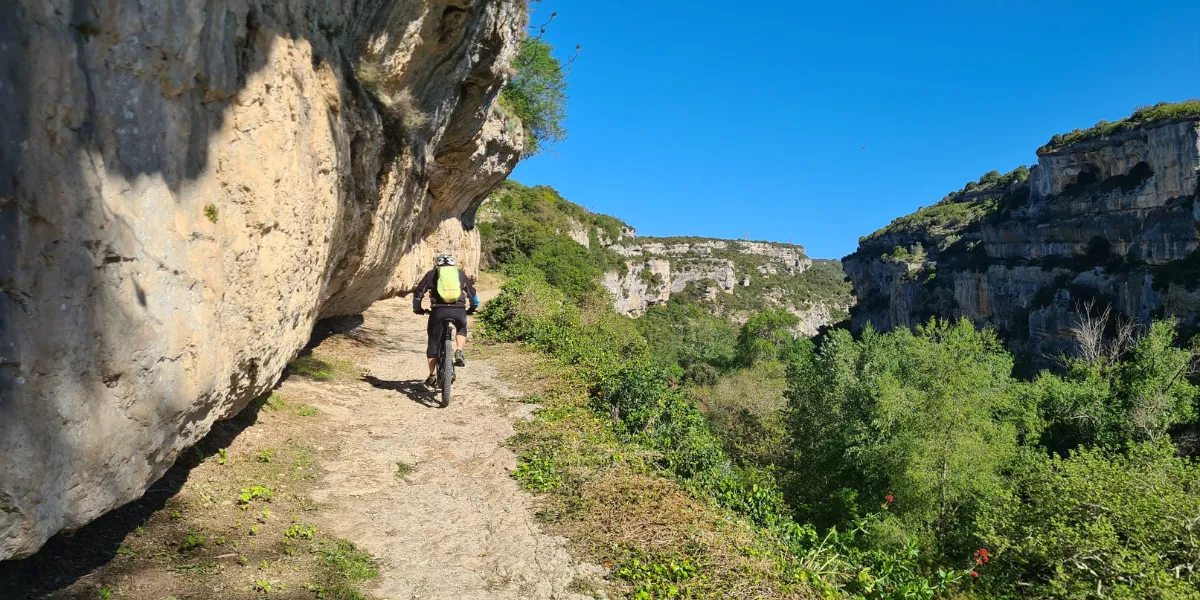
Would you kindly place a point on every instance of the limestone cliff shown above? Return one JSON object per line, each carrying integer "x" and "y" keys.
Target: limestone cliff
{"x": 735, "y": 278}
{"x": 1111, "y": 219}
{"x": 187, "y": 187}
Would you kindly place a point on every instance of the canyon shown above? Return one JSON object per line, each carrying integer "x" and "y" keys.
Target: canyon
{"x": 1109, "y": 221}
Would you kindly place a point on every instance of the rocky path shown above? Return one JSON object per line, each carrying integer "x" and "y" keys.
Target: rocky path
{"x": 456, "y": 525}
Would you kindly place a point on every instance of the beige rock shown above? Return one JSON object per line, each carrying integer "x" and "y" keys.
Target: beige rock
{"x": 1102, "y": 219}
{"x": 186, "y": 187}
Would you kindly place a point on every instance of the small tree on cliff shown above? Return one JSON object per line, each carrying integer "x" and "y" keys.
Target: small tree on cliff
{"x": 537, "y": 92}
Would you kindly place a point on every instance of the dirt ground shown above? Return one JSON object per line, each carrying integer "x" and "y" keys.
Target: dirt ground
{"x": 288, "y": 499}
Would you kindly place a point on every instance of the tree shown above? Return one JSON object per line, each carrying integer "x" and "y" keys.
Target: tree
{"x": 765, "y": 336}
{"x": 537, "y": 94}
{"x": 932, "y": 417}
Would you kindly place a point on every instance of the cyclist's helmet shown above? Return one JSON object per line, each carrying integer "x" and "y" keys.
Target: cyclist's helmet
{"x": 446, "y": 260}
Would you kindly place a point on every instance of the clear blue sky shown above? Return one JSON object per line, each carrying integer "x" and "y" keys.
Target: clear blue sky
{"x": 701, "y": 117}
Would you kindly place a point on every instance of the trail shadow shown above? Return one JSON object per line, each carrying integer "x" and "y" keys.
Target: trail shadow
{"x": 414, "y": 389}
{"x": 70, "y": 556}
{"x": 326, "y": 328}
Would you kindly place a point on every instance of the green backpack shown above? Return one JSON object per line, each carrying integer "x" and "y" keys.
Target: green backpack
{"x": 449, "y": 288}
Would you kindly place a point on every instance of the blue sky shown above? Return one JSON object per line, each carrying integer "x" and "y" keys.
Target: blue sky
{"x": 712, "y": 118}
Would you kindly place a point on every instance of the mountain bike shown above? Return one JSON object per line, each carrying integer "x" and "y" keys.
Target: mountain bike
{"x": 445, "y": 360}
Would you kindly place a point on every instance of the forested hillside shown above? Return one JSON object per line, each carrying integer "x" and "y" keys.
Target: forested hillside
{"x": 731, "y": 279}
{"x": 908, "y": 463}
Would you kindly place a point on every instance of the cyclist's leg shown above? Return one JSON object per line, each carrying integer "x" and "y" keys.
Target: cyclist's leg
{"x": 460, "y": 327}
{"x": 434, "y": 334}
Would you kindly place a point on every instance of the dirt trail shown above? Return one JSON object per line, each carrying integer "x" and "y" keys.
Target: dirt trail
{"x": 457, "y": 525}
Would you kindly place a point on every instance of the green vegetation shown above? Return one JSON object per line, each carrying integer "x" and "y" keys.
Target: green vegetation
{"x": 1163, "y": 111}
{"x": 537, "y": 94}
{"x": 910, "y": 464}
{"x": 403, "y": 469}
{"x": 210, "y": 212}
{"x": 319, "y": 368}
{"x": 954, "y": 214}
{"x": 346, "y": 566}
{"x": 531, "y": 225}
{"x": 687, "y": 342}
{"x": 192, "y": 540}
{"x": 254, "y": 492}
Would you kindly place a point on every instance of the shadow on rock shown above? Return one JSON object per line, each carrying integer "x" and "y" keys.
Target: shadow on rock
{"x": 71, "y": 556}
{"x": 414, "y": 389}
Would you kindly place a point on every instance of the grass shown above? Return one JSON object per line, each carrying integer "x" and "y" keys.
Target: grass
{"x": 210, "y": 212}
{"x": 403, "y": 469}
{"x": 319, "y": 368}
{"x": 370, "y": 76}
{"x": 618, "y": 509}
{"x": 230, "y": 514}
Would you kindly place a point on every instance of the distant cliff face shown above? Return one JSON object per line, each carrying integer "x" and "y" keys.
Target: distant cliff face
{"x": 186, "y": 187}
{"x": 1113, "y": 219}
{"x": 736, "y": 278}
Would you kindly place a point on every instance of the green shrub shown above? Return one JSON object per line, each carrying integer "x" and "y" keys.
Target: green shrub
{"x": 1140, "y": 398}
{"x": 537, "y": 95}
{"x": 1098, "y": 524}
{"x": 746, "y": 411}
{"x": 1163, "y": 111}
{"x": 931, "y": 417}
{"x": 685, "y": 338}
{"x": 765, "y": 336}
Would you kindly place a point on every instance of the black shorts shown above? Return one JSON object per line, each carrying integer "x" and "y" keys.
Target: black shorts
{"x": 440, "y": 313}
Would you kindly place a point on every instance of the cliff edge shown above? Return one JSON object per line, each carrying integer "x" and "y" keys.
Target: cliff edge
{"x": 186, "y": 188}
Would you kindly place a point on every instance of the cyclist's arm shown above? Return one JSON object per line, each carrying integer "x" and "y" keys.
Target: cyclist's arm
{"x": 419, "y": 293}
{"x": 469, "y": 287}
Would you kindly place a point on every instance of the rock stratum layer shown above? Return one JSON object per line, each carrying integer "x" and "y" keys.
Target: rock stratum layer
{"x": 187, "y": 187}
{"x": 1112, "y": 221}
{"x": 736, "y": 278}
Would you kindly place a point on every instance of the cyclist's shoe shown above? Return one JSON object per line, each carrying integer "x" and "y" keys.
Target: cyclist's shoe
{"x": 459, "y": 361}
{"x": 431, "y": 382}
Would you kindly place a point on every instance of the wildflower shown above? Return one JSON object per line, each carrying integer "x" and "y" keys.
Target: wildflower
{"x": 975, "y": 574}
{"x": 981, "y": 556}
{"x": 889, "y": 498}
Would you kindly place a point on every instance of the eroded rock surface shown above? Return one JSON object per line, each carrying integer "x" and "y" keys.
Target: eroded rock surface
{"x": 1112, "y": 221}
{"x": 187, "y": 187}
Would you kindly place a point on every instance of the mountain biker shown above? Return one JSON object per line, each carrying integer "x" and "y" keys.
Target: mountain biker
{"x": 445, "y": 265}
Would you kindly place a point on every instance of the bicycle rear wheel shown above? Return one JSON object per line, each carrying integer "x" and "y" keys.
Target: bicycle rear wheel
{"x": 446, "y": 370}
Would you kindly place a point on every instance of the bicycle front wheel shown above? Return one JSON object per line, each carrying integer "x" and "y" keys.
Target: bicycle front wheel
{"x": 447, "y": 369}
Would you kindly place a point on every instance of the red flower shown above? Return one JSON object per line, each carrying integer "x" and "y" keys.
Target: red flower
{"x": 975, "y": 574}
{"x": 889, "y": 498}
{"x": 981, "y": 556}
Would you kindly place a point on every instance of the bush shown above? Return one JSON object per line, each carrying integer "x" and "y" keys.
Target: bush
{"x": 1099, "y": 524}
{"x": 765, "y": 336}
{"x": 684, "y": 337}
{"x": 1163, "y": 111}
{"x": 931, "y": 417}
{"x": 746, "y": 409}
{"x": 1140, "y": 398}
{"x": 537, "y": 95}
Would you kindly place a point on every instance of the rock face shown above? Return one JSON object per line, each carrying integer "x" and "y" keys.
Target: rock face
{"x": 735, "y": 278}
{"x": 187, "y": 187}
{"x": 1112, "y": 220}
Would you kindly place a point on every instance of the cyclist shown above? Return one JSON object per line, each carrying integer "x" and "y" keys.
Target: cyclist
{"x": 438, "y": 282}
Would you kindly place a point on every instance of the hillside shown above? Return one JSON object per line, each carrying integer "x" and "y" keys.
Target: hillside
{"x": 733, "y": 279}
{"x": 1108, "y": 216}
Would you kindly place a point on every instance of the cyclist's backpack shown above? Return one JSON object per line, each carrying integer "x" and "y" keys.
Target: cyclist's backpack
{"x": 449, "y": 288}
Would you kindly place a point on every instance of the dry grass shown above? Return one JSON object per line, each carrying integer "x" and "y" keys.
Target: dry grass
{"x": 223, "y": 523}
{"x": 617, "y": 509}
